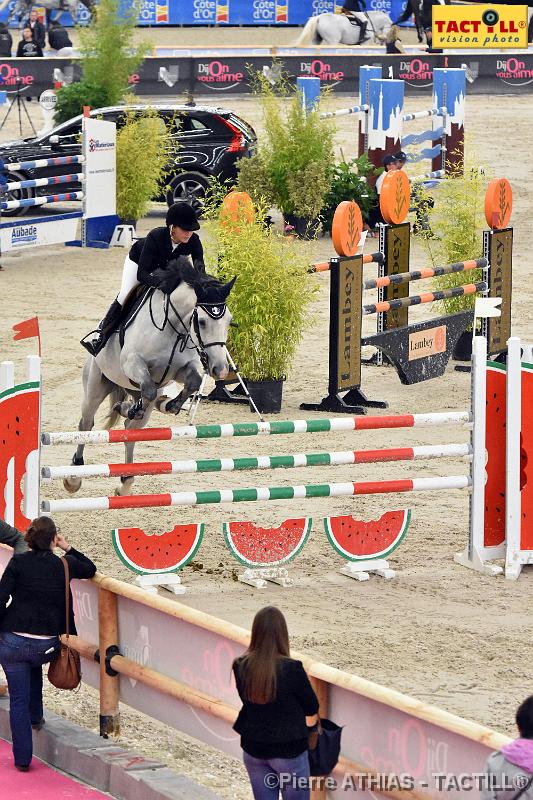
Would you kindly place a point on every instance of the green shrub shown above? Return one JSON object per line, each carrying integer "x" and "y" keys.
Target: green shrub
{"x": 72, "y": 98}
{"x": 457, "y": 222}
{"x": 292, "y": 167}
{"x": 143, "y": 145}
{"x": 270, "y": 300}
{"x": 348, "y": 181}
{"x": 108, "y": 58}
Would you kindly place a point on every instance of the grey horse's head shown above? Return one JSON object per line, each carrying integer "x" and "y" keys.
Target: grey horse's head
{"x": 211, "y": 317}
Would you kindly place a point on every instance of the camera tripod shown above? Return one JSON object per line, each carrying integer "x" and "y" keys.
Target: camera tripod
{"x": 18, "y": 102}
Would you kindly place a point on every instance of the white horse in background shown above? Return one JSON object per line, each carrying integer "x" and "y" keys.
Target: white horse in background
{"x": 333, "y": 29}
{"x": 22, "y": 8}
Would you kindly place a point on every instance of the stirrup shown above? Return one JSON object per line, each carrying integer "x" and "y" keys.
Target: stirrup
{"x": 93, "y": 345}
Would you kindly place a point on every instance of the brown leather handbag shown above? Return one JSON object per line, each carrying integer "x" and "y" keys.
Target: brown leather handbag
{"x": 64, "y": 671}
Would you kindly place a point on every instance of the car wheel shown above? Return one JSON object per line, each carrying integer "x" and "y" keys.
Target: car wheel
{"x": 17, "y": 194}
{"x": 189, "y": 187}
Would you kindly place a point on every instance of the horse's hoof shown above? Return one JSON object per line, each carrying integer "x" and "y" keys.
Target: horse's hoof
{"x": 72, "y": 485}
{"x": 125, "y": 486}
{"x": 122, "y": 408}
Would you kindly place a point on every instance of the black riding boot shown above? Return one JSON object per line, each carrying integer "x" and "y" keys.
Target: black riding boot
{"x": 362, "y": 31}
{"x": 107, "y": 326}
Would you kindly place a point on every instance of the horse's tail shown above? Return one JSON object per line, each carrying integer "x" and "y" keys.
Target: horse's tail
{"x": 309, "y": 35}
{"x": 116, "y": 397}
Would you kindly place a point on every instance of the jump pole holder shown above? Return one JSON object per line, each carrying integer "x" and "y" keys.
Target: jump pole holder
{"x": 418, "y": 351}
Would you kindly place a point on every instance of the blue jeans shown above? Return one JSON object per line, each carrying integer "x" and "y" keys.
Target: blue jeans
{"x": 264, "y": 774}
{"x": 22, "y": 659}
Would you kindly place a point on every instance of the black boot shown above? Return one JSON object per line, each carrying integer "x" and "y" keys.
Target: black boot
{"x": 107, "y": 326}
{"x": 362, "y": 34}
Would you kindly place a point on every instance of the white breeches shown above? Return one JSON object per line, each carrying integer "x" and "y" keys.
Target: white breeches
{"x": 129, "y": 280}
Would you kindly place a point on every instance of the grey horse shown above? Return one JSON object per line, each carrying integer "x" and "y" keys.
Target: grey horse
{"x": 22, "y": 8}
{"x": 171, "y": 337}
{"x": 333, "y": 29}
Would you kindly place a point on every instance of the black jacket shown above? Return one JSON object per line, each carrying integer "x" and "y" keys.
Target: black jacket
{"x": 36, "y": 582}
{"x": 12, "y": 537}
{"x": 29, "y": 49}
{"x": 58, "y": 38}
{"x": 39, "y": 32}
{"x": 157, "y": 251}
{"x": 281, "y": 722}
{"x": 6, "y": 43}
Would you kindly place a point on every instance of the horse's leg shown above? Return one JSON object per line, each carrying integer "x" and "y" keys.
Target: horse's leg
{"x": 191, "y": 378}
{"x": 126, "y": 482}
{"x": 96, "y": 387}
{"x": 136, "y": 370}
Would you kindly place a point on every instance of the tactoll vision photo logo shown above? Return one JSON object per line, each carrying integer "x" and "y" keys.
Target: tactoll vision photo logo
{"x": 497, "y": 27}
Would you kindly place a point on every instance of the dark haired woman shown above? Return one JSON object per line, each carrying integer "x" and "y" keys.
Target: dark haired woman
{"x": 31, "y": 625}
{"x": 277, "y": 698}
{"x": 509, "y": 771}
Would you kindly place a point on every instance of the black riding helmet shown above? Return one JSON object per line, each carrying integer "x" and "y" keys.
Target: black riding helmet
{"x": 182, "y": 215}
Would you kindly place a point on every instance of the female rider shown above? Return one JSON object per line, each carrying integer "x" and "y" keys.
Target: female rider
{"x": 147, "y": 263}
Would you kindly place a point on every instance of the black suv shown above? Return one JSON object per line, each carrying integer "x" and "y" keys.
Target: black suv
{"x": 209, "y": 142}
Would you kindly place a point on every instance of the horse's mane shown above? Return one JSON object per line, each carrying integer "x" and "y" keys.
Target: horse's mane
{"x": 207, "y": 287}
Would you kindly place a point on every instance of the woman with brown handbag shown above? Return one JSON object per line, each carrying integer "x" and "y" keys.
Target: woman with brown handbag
{"x": 30, "y": 626}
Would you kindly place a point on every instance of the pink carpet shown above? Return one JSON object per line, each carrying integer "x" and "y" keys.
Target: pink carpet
{"x": 40, "y": 782}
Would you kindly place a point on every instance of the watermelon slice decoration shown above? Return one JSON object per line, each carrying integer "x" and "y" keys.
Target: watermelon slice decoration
{"x": 19, "y": 446}
{"x": 267, "y": 547}
{"x": 166, "y": 552}
{"x": 357, "y": 540}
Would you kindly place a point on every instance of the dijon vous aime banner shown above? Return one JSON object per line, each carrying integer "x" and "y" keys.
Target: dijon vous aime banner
{"x": 484, "y": 27}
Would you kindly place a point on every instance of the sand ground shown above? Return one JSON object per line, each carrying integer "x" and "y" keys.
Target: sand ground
{"x": 437, "y": 631}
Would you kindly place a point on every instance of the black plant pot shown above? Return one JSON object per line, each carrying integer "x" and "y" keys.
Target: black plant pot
{"x": 463, "y": 349}
{"x": 266, "y": 395}
{"x": 304, "y": 227}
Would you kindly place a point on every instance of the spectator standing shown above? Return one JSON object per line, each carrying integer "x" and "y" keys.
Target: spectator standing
{"x": 28, "y": 47}
{"x": 509, "y": 771}
{"x": 6, "y": 41}
{"x": 58, "y": 39}
{"x": 30, "y": 626}
{"x": 393, "y": 43}
{"x": 278, "y": 704}
{"x": 37, "y": 28}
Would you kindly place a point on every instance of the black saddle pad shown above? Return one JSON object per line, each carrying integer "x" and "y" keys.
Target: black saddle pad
{"x": 134, "y": 301}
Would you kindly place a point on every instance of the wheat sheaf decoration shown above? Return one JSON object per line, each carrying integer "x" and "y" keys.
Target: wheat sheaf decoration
{"x": 400, "y": 200}
{"x": 353, "y": 229}
{"x": 503, "y": 205}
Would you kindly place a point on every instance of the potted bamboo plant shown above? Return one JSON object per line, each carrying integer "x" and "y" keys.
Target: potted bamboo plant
{"x": 292, "y": 167}
{"x": 457, "y": 222}
{"x": 269, "y": 302}
{"x": 143, "y": 143}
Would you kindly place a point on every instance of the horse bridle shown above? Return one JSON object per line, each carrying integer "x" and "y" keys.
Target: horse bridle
{"x": 215, "y": 311}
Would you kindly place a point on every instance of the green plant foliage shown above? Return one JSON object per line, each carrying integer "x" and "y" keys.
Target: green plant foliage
{"x": 108, "y": 58}
{"x": 72, "y": 98}
{"x": 143, "y": 148}
{"x": 457, "y": 222}
{"x": 270, "y": 299}
{"x": 292, "y": 167}
{"x": 349, "y": 181}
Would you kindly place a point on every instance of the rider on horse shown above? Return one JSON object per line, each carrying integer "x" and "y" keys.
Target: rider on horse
{"x": 349, "y": 9}
{"x": 147, "y": 264}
